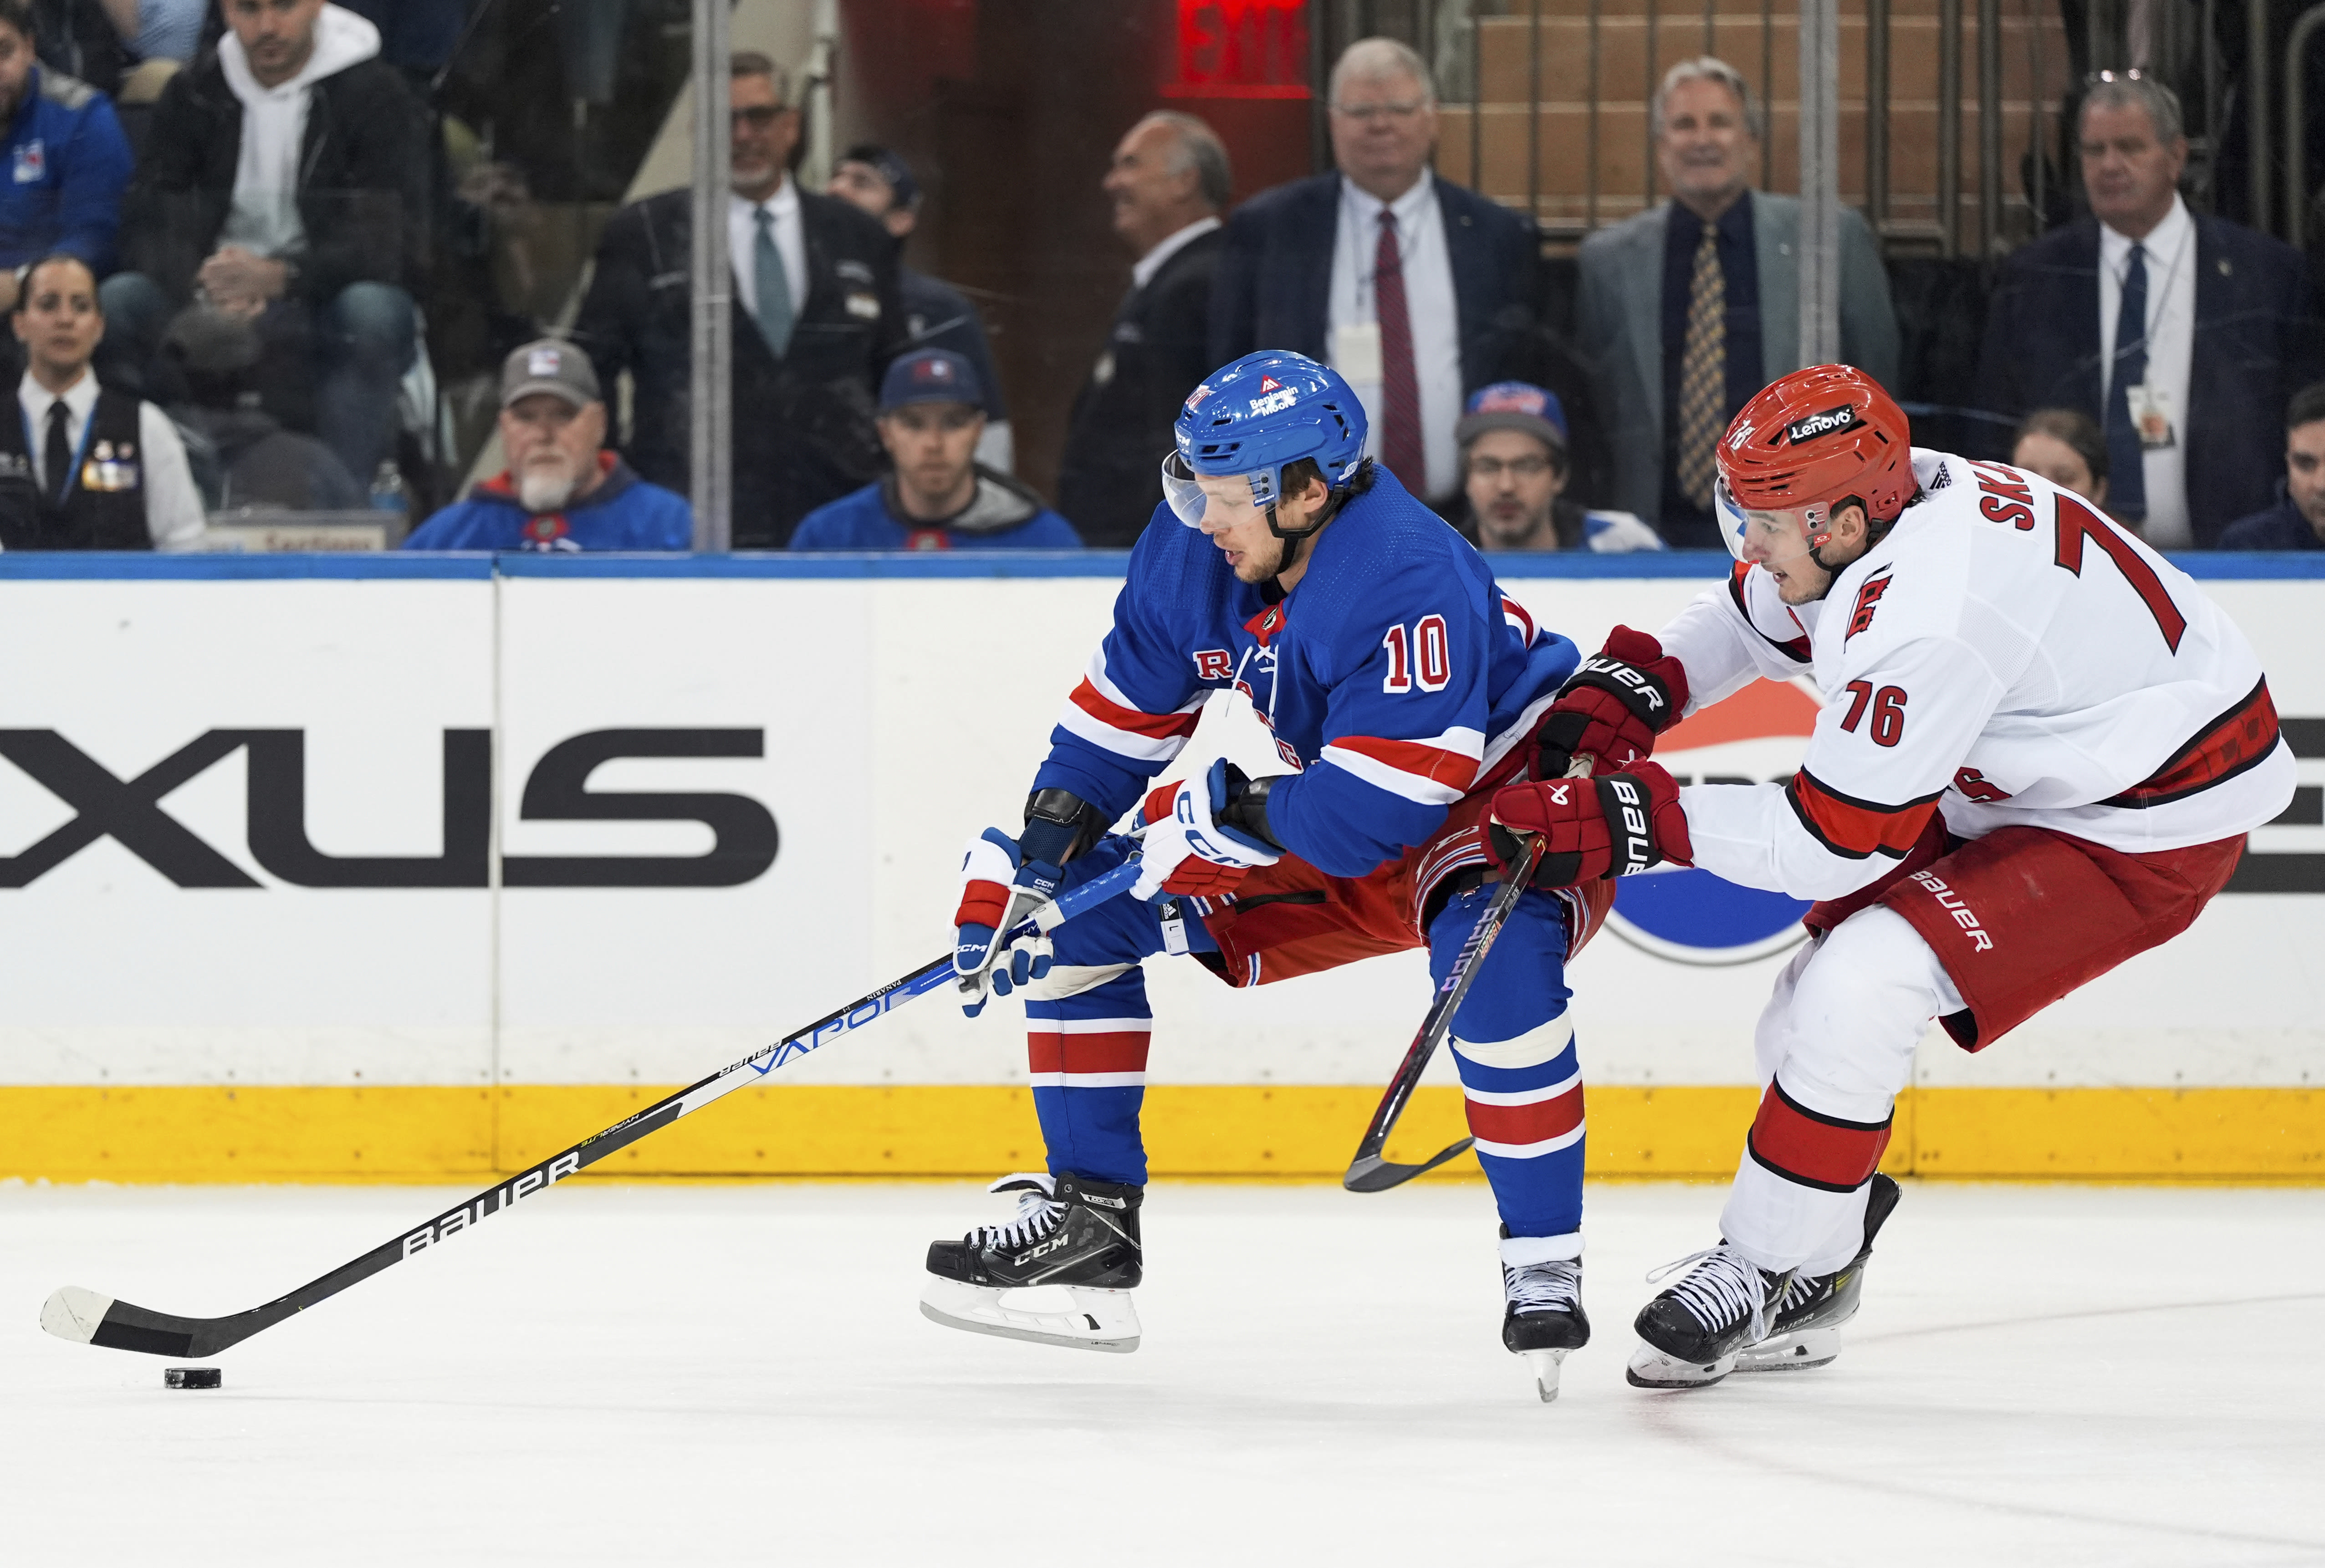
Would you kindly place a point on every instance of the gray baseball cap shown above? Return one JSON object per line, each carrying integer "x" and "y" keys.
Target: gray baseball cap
{"x": 552, "y": 365}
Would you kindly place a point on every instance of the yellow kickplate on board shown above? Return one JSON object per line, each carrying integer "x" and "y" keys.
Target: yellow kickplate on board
{"x": 1306, "y": 1132}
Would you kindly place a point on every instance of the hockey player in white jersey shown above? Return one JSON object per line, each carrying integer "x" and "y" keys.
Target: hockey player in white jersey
{"x": 2040, "y": 752}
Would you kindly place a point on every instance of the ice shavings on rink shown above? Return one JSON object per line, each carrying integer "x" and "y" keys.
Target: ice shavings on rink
{"x": 709, "y": 1375}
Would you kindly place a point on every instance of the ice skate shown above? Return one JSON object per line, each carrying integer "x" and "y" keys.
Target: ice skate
{"x": 1542, "y": 1317}
{"x": 1078, "y": 1234}
{"x": 1692, "y": 1335}
{"x": 1805, "y": 1330}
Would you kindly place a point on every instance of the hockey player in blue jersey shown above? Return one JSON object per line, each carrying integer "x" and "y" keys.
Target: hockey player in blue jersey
{"x": 1401, "y": 688}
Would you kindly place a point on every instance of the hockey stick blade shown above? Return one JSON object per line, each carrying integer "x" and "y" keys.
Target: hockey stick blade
{"x": 90, "y": 1318}
{"x": 1368, "y": 1172}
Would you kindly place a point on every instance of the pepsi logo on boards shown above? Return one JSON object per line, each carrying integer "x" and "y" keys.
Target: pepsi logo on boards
{"x": 1687, "y": 914}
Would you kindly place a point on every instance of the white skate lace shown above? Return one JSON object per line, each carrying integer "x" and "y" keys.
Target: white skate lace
{"x": 1724, "y": 1290}
{"x": 1037, "y": 1212}
{"x": 1543, "y": 1286}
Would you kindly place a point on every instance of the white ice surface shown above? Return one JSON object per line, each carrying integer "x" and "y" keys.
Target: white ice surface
{"x": 692, "y": 1375}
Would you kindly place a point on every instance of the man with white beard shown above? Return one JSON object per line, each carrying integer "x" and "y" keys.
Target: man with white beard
{"x": 561, "y": 489}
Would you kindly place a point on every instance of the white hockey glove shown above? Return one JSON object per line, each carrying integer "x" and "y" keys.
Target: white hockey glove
{"x": 1189, "y": 848}
{"x": 999, "y": 889}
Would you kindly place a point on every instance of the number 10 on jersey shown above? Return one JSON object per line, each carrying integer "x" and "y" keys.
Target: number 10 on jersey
{"x": 1418, "y": 656}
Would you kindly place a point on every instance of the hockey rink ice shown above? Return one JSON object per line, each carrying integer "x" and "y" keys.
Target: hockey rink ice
{"x": 684, "y": 1374}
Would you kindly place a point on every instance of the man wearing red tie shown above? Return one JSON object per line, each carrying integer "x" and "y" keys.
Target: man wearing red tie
{"x": 1416, "y": 291}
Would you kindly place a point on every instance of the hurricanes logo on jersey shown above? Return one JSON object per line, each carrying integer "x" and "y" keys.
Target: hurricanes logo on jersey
{"x": 1868, "y": 598}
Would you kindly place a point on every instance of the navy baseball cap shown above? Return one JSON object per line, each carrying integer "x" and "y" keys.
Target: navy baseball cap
{"x": 930, "y": 376}
{"x": 905, "y": 190}
{"x": 1514, "y": 406}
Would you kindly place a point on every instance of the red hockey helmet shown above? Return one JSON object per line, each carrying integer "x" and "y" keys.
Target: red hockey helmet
{"x": 1817, "y": 437}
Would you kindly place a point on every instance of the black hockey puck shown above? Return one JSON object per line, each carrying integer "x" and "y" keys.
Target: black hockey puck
{"x": 190, "y": 1378}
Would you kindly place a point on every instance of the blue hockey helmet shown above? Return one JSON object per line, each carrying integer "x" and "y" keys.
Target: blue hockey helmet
{"x": 1252, "y": 417}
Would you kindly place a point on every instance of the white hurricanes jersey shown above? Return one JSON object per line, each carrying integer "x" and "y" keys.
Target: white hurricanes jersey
{"x": 2005, "y": 656}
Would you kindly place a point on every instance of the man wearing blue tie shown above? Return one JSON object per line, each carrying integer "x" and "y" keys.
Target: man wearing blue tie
{"x": 2182, "y": 334}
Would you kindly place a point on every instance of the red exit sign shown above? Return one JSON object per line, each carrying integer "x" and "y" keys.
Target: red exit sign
{"x": 1240, "y": 49}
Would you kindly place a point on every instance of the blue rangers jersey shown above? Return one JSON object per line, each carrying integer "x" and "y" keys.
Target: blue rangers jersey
{"x": 1395, "y": 677}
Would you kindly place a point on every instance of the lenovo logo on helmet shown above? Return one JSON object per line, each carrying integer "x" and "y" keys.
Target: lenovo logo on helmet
{"x": 1822, "y": 423}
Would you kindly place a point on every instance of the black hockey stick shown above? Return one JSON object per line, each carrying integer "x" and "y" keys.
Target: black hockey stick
{"x": 75, "y": 1314}
{"x": 1368, "y": 1172}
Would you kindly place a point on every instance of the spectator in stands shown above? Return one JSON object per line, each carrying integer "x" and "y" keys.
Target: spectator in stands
{"x": 259, "y": 464}
{"x": 84, "y": 468}
{"x": 2065, "y": 447}
{"x": 1415, "y": 289}
{"x": 285, "y": 181}
{"x": 563, "y": 490}
{"x": 161, "y": 29}
{"x": 939, "y": 497}
{"x": 2182, "y": 335}
{"x": 68, "y": 159}
{"x": 84, "y": 40}
{"x": 1515, "y": 466}
{"x": 1168, "y": 182}
{"x": 2297, "y": 521}
{"x": 1689, "y": 309}
{"x": 936, "y": 314}
{"x": 817, "y": 320}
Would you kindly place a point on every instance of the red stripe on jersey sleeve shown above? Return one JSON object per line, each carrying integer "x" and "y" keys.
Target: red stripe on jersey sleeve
{"x": 1153, "y": 726}
{"x": 1813, "y": 1149}
{"x": 1526, "y": 1124}
{"x": 1434, "y": 763}
{"x": 1854, "y": 828}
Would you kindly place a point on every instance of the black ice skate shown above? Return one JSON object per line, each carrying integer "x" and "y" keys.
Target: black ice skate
{"x": 1691, "y": 1334}
{"x": 1805, "y": 1331}
{"x": 1078, "y": 1234}
{"x": 1541, "y": 1315}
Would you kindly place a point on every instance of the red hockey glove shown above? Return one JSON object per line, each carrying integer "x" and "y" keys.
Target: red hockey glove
{"x": 1614, "y": 706}
{"x": 1610, "y": 826}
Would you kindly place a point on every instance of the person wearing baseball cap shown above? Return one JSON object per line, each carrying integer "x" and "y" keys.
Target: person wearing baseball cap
{"x": 1513, "y": 472}
{"x": 938, "y": 496}
{"x": 561, "y": 490}
{"x": 936, "y": 314}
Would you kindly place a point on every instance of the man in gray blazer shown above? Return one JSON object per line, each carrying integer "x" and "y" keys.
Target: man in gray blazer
{"x": 1691, "y": 307}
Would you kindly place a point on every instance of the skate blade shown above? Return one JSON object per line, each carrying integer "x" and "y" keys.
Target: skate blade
{"x": 1650, "y": 1368}
{"x": 1544, "y": 1365}
{"x": 1099, "y": 1320}
{"x": 1797, "y": 1353}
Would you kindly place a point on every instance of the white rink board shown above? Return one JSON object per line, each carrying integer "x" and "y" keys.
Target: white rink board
{"x": 899, "y": 715}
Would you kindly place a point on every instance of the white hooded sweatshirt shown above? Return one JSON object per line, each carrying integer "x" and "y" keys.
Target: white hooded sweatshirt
{"x": 265, "y": 217}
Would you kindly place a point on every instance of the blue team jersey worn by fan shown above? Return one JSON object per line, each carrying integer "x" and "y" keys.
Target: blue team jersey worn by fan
{"x": 1001, "y": 514}
{"x": 622, "y": 513}
{"x": 1394, "y": 677}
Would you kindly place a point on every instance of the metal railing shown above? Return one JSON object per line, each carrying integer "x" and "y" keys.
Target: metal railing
{"x": 2297, "y": 194}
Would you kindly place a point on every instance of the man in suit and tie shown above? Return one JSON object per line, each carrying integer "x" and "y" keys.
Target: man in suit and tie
{"x": 1689, "y": 309}
{"x": 817, "y": 319}
{"x": 1416, "y": 291}
{"x": 1168, "y": 182}
{"x": 2183, "y": 336}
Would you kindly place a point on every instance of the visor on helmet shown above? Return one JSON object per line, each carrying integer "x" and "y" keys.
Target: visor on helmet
{"x": 1734, "y": 525}
{"x": 1737, "y": 528}
{"x": 1180, "y": 489}
{"x": 1184, "y": 491}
